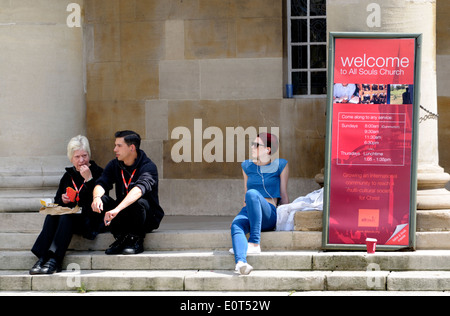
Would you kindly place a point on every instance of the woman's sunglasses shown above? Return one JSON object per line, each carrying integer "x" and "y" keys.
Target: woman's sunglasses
{"x": 256, "y": 145}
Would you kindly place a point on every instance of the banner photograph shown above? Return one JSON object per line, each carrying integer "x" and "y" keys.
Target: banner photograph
{"x": 371, "y": 141}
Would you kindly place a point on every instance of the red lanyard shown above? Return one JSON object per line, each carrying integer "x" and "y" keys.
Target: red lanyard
{"x": 78, "y": 191}
{"x": 131, "y": 178}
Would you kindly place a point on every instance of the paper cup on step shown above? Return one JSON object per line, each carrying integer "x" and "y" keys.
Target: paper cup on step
{"x": 371, "y": 245}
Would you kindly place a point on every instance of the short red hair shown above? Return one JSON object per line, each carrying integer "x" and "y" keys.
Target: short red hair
{"x": 269, "y": 140}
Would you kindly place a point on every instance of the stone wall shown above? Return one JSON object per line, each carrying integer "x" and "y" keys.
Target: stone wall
{"x": 158, "y": 65}
{"x": 155, "y": 66}
{"x": 42, "y": 104}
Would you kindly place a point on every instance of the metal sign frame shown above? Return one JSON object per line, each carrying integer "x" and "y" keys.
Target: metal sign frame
{"x": 328, "y": 189}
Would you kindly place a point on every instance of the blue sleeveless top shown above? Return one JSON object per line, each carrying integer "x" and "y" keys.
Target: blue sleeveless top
{"x": 268, "y": 177}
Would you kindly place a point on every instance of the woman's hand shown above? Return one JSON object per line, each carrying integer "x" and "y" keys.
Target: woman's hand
{"x": 65, "y": 198}
{"x": 85, "y": 172}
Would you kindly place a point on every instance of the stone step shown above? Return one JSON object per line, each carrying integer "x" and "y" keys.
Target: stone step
{"x": 213, "y": 271}
{"x": 212, "y": 240}
{"x": 19, "y": 232}
{"x": 176, "y": 240}
{"x": 427, "y": 221}
{"x": 226, "y": 280}
{"x": 23, "y": 222}
{"x": 163, "y": 260}
{"x": 425, "y": 260}
{"x": 18, "y": 200}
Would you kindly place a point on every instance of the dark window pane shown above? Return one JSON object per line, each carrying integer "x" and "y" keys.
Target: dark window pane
{"x": 318, "y": 7}
{"x": 300, "y": 83}
{"x": 318, "y": 30}
{"x": 319, "y": 82}
{"x": 299, "y": 30}
{"x": 299, "y": 57}
{"x": 318, "y": 56}
{"x": 309, "y": 54}
{"x": 299, "y": 7}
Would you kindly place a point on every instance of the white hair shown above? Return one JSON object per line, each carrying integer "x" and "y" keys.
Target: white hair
{"x": 78, "y": 143}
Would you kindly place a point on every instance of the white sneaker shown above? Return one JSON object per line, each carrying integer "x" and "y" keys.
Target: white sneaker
{"x": 254, "y": 250}
{"x": 250, "y": 251}
{"x": 243, "y": 268}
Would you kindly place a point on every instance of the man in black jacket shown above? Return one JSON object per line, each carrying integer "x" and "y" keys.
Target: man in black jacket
{"x": 136, "y": 210}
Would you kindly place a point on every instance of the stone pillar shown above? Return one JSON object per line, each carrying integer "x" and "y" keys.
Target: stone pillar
{"x": 42, "y": 103}
{"x": 408, "y": 16}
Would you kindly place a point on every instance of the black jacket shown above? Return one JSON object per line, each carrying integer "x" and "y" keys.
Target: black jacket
{"x": 92, "y": 222}
{"x": 145, "y": 178}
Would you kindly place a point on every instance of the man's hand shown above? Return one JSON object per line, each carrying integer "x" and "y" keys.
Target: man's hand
{"x": 109, "y": 216}
{"x": 97, "y": 205}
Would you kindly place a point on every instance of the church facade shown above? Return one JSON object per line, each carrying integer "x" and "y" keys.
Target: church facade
{"x": 197, "y": 79}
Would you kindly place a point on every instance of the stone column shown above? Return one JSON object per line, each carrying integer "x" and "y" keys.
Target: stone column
{"x": 408, "y": 16}
{"x": 42, "y": 103}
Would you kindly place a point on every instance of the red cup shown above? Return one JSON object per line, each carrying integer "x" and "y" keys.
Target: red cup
{"x": 371, "y": 245}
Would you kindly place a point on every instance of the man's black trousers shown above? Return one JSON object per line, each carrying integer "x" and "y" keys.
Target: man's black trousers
{"x": 131, "y": 220}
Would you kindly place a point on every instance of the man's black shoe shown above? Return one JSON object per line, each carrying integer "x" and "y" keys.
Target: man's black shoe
{"x": 117, "y": 246}
{"x": 51, "y": 267}
{"x": 36, "y": 269}
{"x": 133, "y": 245}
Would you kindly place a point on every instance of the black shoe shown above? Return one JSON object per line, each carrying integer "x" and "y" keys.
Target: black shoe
{"x": 36, "y": 269}
{"x": 51, "y": 267}
{"x": 133, "y": 245}
{"x": 116, "y": 247}
{"x": 91, "y": 235}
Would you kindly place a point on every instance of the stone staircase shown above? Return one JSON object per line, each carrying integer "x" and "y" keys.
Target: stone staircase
{"x": 191, "y": 254}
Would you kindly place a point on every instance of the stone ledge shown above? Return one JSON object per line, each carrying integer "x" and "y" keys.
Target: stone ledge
{"x": 433, "y": 221}
{"x": 308, "y": 221}
{"x": 176, "y": 241}
{"x": 436, "y": 199}
{"x": 422, "y": 260}
{"x": 415, "y": 281}
{"x": 433, "y": 240}
{"x": 226, "y": 280}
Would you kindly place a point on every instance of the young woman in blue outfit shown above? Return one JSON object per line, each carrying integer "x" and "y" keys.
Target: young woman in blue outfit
{"x": 266, "y": 187}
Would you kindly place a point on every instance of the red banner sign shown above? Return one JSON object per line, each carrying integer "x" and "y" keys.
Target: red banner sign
{"x": 370, "y": 158}
{"x": 380, "y": 61}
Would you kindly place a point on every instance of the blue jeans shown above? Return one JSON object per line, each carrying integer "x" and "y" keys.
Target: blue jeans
{"x": 258, "y": 215}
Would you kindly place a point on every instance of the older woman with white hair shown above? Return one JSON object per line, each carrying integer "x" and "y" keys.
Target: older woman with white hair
{"x": 52, "y": 243}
